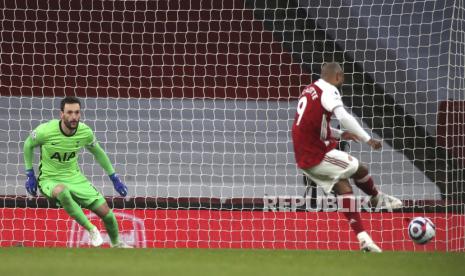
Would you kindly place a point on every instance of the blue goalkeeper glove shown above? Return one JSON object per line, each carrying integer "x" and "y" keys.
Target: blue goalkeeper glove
{"x": 31, "y": 183}
{"x": 118, "y": 184}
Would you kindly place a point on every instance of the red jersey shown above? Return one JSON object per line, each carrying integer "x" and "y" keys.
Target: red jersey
{"x": 311, "y": 132}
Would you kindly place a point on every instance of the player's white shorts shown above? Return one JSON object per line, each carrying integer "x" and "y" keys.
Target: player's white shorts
{"x": 336, "y": 165}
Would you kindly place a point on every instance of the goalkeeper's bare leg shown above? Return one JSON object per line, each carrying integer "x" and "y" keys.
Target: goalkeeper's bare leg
{"x": 344, "y": 189}
{"x": 61, "y": 193}
{"x": 364, "y": 182}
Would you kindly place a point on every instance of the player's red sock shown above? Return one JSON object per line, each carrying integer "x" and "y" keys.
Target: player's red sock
{"x": 353, "y": 217}
{"x": 366, "y": 185}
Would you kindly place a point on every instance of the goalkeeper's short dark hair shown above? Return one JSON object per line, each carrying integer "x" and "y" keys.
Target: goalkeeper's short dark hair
{"x": 69, "y": 100}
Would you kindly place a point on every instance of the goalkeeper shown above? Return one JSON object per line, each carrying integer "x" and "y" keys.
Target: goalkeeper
{"x": 60, "y": 177}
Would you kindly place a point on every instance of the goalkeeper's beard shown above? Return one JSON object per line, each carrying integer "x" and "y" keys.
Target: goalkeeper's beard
{"x": 69, "y": 125}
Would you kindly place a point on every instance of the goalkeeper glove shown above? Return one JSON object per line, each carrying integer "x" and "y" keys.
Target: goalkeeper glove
{"x": 31, "y": 183}
{"x": 118, "y": 184}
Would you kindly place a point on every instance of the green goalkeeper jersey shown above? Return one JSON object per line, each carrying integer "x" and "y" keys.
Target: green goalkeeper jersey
{"x": 59, "y": 152}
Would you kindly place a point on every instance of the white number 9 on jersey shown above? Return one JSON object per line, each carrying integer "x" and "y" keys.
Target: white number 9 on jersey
{"x": 301, "y": 108}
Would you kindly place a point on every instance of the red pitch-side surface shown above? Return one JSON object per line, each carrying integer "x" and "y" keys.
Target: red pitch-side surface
{"x": 228, "y": 229}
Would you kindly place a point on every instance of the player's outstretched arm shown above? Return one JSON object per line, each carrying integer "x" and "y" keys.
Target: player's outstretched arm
{"x": 344, "y": 135}
{"x": 375, "y": 144}
{"x": 104, "y": 161}
{"x": 355, "y": 129}
{"x": 28, "y": 153}
{"x": 347, "y": 135}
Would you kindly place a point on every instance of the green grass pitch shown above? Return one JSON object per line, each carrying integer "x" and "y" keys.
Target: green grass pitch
{"x": 135, "y": 262}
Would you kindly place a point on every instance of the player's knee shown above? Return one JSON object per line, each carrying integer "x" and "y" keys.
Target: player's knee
{"x": 342, "y": 187}
{"x": 110, "y": 216}
{"x": 361, "y": 172}
{"x": 63, "y": 195}
{"x": 102, "y": 211}
{"x": 59, "y": 189}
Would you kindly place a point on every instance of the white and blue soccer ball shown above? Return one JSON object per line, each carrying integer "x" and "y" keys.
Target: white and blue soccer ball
{"x": 421, "y": 230}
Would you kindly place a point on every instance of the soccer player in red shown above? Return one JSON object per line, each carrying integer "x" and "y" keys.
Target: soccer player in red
{"x": 316, "y": 154}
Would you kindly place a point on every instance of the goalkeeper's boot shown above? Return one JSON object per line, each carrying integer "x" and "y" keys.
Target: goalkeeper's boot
{"x": 95, "y": 237}
{"x": 384, "y": 201}
{"x": 367, "y": 244}
{"x": 121, "y": 244}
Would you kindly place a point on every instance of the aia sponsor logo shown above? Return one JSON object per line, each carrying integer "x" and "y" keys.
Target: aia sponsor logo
{"x": 131, "y": 231}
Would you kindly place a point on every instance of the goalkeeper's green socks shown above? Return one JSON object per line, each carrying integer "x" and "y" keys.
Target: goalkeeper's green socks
{"x": 112, "y": 227}
{"x": 73, "y": 209}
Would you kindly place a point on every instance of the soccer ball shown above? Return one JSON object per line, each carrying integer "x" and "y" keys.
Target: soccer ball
{"x": 421, "y": 230}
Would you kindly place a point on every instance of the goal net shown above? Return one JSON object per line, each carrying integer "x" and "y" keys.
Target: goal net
{"x": 193, "y": 102}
